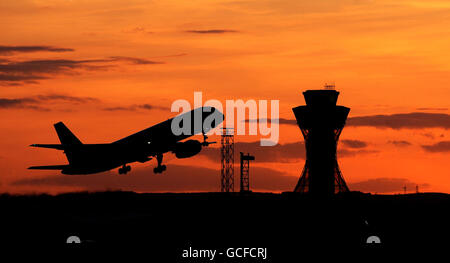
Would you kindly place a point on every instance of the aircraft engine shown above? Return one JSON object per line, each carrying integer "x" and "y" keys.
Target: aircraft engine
{"x": 187, "y": 149}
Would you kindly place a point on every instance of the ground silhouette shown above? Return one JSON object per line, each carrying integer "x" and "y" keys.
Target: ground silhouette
{"x": 169, "y": 222}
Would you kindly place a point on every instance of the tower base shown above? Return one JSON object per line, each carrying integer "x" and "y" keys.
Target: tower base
{"x": 303, "y": 185}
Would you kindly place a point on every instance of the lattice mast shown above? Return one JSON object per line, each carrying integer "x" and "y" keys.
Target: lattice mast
{"x": 245, "y": 172}
{"x": 227, "y": 161}
{"x": 321, "y": 122}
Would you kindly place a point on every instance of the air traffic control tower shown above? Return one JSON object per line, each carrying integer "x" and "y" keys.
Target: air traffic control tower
{"x": 321, "y": 122}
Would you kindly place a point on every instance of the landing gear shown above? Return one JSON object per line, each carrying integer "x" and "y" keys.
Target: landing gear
{"x": 206, "y": 143}
{"x": 160, "y": 168}
{"x": 125, "y": 169}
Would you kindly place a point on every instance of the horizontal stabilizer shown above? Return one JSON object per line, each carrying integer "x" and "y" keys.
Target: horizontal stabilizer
{"x": 51, "y": 146}
{"x": 49, "y": 167}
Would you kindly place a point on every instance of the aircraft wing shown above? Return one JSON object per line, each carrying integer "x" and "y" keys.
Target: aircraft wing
{"x": 49, "y": 167}
{"x": 51, "y": 146}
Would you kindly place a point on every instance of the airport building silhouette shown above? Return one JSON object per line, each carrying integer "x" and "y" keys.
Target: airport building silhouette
{"x": 321, "y": 122}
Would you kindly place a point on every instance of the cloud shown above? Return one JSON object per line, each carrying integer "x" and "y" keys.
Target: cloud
{"x": 428, "y": 135}
{"x": 61, "y": 97}
{"x": 287, "y": 121}
{"x": 385, "y": 185}
{"x": 288, "y": 7}
{"x": 136, "y": 107}
{"x": 139, "y": 61}
{"x": 42, "y": 103}
{"x": 13, "y": 79}
{"x": 184, "y": 178}
{"x": 9, "y": 50}
{"x": 351, "y": 153}
{"x": 269, "y": 120}
{"x": 33, "y": 70}
{"x": 431, "y": 109}
{"x": 138, "y": 29}
{"x": 172, "y": 55}
{"x": 212, "y": 31}
{"x": 400, "y": 143}
{"x": 61, "y": 65}
{"x": 443, "y": 146}
{"x": 284, "y": 153}
{"x": 354, "y": 144}
{"x": 289, "y": 152}
{"x": 414, "y": 120}
{"x": 177, "y": 178}
{"x": 36, "y": 102}
{"x": 20, "y": 103}
{"x": 29, "y": 71}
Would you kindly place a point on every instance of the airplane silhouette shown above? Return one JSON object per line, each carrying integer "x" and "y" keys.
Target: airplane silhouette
{"x": 138, "y": 147}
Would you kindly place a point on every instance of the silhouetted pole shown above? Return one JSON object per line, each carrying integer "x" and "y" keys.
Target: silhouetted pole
{"x": 227, "y": 160}
{"x": 245, "y": 171}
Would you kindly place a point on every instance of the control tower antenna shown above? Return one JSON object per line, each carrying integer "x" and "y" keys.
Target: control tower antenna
{"x": 227, "y": 161}
{"x": 329, "y": 86}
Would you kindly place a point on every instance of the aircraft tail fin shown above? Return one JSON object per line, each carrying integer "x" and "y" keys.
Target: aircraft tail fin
{"x": 65, "y": 135}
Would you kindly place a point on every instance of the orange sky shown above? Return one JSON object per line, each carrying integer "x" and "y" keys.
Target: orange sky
{"x": 92, "y": 56}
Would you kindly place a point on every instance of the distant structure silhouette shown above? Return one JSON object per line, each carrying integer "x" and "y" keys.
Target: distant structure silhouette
{"x": 245, "y": 171}
{"x": 321, "y": 122}
{"x": 227, "y": 160}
